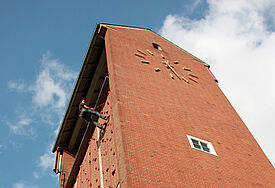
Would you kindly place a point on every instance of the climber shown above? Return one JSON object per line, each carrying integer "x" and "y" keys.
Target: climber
{"x": 86, "y": 112}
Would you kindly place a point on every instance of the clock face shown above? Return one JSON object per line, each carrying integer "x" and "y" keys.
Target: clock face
{"x": 177, "y": 70}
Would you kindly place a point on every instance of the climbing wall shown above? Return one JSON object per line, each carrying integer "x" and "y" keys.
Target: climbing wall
{"x": 99, "y": 167}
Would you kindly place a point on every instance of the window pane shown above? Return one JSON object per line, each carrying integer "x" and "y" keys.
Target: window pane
{"x": 206, "y": 149}
{"x": 195, "y": 141}
{"x": 197, "y": 146}
{"x": 203, "y": 144}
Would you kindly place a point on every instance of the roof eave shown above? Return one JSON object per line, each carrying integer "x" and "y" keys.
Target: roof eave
{"x": 61, "y": 128}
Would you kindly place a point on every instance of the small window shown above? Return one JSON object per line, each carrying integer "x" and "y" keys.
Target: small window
{"x": 201, "y": 145}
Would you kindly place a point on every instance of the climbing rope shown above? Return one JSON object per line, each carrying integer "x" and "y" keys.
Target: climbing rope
{"x": 99, "y": 105}
{"x": 98, "y": 134}
{"x": 101, "y": 89}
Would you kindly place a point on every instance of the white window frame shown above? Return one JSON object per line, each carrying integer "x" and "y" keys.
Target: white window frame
{"x": 209, "y": 145}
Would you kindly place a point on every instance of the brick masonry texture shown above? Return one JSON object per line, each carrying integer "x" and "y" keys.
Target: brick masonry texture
{"x": 89, "y": 173}
{"x": 151, "y": 114}
{"x": 145, "y": 143}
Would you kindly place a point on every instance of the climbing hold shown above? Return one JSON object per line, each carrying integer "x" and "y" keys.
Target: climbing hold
{"x": 157, "y": 69}
{"x": 176, "y": 62}
{"x": 162, "y": 56}
{"x": 113, "y": 173}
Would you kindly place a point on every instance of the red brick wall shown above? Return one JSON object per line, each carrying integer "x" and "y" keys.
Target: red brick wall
{"x": 152, "y": 114}
{"x": 89, "y": 173}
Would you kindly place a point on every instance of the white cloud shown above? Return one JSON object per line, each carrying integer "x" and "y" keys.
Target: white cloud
{"x": 49, "y": 93}
{"x": 44, "y": 164}
{"x": 46, "y": 160}
{"x": 22, "y": 126}
{"x": 36, "y": 175}
{"x": 53, "y": 83}
{"x": 18, "y": 85}
{"x": 237, "y": 40}
{"x": 22, "y": 184}
{"x": 52, "y": 86}
{"x": 51, "y": 89}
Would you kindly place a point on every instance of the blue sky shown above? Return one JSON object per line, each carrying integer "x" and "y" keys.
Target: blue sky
{"x": 43, "y": 44}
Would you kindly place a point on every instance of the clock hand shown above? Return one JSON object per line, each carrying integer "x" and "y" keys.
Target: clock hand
{"x": 168, "y": 64}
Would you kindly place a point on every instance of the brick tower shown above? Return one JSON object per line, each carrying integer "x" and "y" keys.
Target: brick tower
{"x": 170, "y": 124}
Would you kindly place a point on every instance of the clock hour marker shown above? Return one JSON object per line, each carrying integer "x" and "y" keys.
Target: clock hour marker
{"x": 157, "y": 69}
{"x": 139, "y": 55}
{"x": 187, "y": 69}
{"x": 192, "y": 79}
{"x": 142, "y": 52}
{"x": 144, "y": 61}
{"x": 193, "y": 75}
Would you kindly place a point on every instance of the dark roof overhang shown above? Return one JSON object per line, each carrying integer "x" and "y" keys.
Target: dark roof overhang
{"x": 66, "y": 131}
